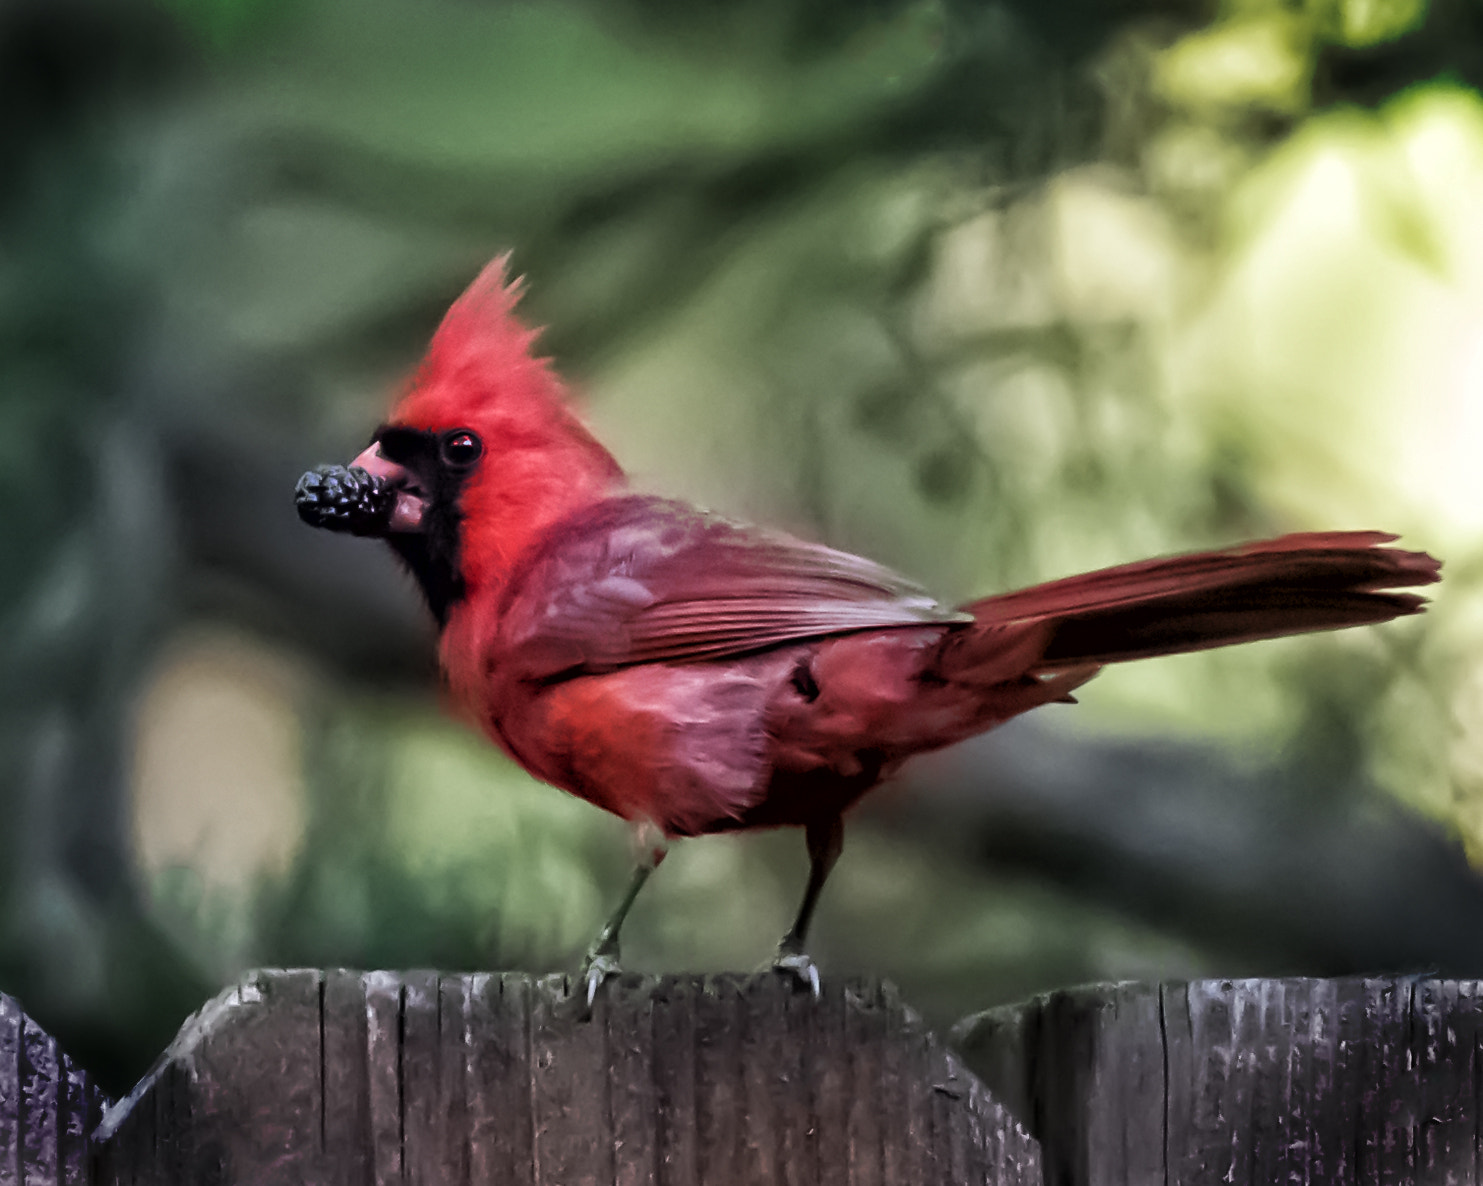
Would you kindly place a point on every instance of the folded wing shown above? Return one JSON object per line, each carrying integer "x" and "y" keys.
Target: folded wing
{"x": 644, "y": 580}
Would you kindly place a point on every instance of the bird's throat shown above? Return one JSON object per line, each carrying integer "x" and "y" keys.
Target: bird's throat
{"x": 432, "y": 558}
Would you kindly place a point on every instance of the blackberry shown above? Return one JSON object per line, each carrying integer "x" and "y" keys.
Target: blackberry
{"x": 343, "y": 499}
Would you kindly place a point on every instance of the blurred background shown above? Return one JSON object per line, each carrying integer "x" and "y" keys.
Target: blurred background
{"x": 994, "y": 290}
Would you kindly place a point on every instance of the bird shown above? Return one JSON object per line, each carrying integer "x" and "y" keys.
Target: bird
{"x": 697, "y": 675}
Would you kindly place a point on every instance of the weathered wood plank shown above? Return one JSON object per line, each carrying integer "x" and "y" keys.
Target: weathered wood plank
{"x": 41, "y": 1079}
{"x": 862, "y": 1136}
{"x": 568, "y": 1089}
{"x": 633, "y": 1087}
{"x": 493, "y": 1069}
{"x": 185, "y": 1124}
{"x": 385, "y": 1099}
{"x": 832, "y": 1085}
{"x": 48, "y": 1106}
{"x": 502, "y": 1136}
{"x": 451, "y": 1087}
{"x": 810, "y": 1054}
{"x": 1244, "y": 1081}
{"x": 719, "y": 1098}
{"x": 1449, "y": 1031}
{"x": 11, "y": 1022}
{"x": 676, "y": 1063}
{"x": 904, "y": 1054}
{"x": 421, "y": 1078}
{"x": 425, "y": 1130}
{"x": 344, "y": 1105}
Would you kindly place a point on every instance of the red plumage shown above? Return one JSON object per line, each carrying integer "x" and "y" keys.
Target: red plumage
{"x": 700, "y": 675}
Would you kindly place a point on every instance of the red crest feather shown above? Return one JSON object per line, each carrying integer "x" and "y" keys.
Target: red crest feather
{"x": 480, "y": 361}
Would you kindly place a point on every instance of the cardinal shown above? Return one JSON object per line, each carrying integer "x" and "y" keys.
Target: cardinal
{"x": 696, "y": 675}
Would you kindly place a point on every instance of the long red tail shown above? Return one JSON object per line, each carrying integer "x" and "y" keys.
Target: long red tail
{"x": 1290, "y": 585}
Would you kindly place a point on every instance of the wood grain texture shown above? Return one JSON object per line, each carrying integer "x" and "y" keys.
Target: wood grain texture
{"x": 422, "y": 1077}
{"x": 337, "y": 1077}
{"x": 48, "y": 1107}
{"x": 1243, "y": 1081}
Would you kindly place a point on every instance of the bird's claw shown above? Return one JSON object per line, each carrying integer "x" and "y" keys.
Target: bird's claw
{"x": 597, "y": 967}
{"x": 799, "y": 965}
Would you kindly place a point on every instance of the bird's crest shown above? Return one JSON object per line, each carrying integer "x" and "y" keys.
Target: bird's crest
{"x": 480, "y": 364}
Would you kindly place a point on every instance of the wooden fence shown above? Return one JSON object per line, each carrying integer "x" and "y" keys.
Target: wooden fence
{"x": 48, "y": 1107}
{"x": 341, "y": 1077}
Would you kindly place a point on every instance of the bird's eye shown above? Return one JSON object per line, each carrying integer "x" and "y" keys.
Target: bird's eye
{"x": 461, "y": 448}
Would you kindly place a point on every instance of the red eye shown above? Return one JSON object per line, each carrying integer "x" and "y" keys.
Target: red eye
{"x": 461, "y": 448}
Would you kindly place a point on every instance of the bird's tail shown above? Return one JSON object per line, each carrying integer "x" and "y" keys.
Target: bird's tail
{"x": 1290, "y": 585}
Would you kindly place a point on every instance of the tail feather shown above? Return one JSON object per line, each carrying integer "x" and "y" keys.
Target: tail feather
{"x": 1290, "y": 585}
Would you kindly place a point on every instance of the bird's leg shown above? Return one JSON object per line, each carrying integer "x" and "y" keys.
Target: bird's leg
{"x": 825, "y": 841}
{"x": 602, "y": 957}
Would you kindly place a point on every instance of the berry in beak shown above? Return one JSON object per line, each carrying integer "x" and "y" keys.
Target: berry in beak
{"x": 372, "y": 496}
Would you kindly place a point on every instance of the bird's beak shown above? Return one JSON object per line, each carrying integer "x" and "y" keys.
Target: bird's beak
{"x": 410, "y": 507}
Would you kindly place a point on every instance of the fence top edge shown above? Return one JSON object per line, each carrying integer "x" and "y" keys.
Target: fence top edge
{"x": 1101, "y": 993}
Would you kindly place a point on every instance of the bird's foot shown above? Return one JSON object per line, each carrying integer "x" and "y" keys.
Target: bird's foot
{"x": 792, "y": 960}
{"x": 600, "y": 962}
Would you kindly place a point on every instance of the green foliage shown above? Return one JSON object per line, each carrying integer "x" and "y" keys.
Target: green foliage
{"x": 225, "y": 24}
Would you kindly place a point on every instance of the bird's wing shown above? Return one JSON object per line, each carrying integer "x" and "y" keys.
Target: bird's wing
{"x": 646, "y": 580}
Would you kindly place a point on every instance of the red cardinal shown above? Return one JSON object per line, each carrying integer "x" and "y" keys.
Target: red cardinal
{"x": 695, "y": 675}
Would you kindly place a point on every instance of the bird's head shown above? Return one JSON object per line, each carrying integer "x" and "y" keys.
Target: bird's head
{"x": 481, "y": 453}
